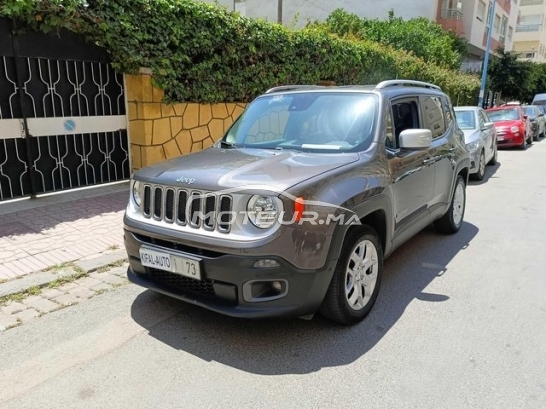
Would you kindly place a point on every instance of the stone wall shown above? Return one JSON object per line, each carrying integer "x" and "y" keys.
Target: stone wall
{"x": 159, "y": 131}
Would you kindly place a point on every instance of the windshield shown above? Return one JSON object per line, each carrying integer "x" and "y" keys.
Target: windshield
{"x": 530, "y": 111}
{"x": 308, "y": 122}
{"x": 509, "y": 114}
{"x": 466, "y": 119}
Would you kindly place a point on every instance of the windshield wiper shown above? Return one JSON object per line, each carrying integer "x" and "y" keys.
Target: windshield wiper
{"x": 229, "y": 145}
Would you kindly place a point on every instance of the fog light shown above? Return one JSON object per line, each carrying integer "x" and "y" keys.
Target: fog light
{"x": 277, "y": 286}
{"x": 266, "y": 264}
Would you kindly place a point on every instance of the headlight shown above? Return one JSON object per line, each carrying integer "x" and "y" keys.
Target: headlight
{"x": 472, "y": 146}
{"x": 514, "y": 129}
{"x": 262, "y": 211}
{"x": 136, "y": 193}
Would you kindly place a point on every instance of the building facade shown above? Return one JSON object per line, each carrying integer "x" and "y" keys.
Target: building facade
{"x": 468, "y": 18}
{"x": 530, "y": 36}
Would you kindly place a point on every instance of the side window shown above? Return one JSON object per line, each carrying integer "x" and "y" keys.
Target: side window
{"x": 483, "y": 118}
{"x": 435, "y": 116}
{"x": 448, "y": 112}
{"x": 482, "y": 122}
{"x": 389, "y": 130}
{"x": 405, "y": 116}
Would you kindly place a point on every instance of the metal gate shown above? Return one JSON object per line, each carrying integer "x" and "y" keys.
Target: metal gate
{"x": 62, "y": 114}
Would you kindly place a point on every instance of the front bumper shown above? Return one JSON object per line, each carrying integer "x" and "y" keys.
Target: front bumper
{"x": 475, "y": 160}
{"x": 225, "y": 281}
{"x": 509, "y": 139}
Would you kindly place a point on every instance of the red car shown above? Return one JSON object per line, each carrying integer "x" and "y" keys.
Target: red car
{"x": 513, "y": 126}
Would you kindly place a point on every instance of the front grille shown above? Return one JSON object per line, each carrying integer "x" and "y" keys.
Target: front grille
{"x": 177, "y": 281}
{"x": 194, "y": 208}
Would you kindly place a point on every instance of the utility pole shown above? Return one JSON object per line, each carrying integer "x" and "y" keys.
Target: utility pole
{"x": 279, "y": 11}
{"x": 487, "y": 51}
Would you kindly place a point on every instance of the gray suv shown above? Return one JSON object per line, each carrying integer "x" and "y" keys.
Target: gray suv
{"x": 293, "y": 211}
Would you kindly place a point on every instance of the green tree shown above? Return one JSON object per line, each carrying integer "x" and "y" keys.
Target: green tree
{"x": 514, "y": 78}
{"x": 419, "y": 36}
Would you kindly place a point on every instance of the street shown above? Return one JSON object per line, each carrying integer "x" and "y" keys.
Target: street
{"x": 460, "y": 322}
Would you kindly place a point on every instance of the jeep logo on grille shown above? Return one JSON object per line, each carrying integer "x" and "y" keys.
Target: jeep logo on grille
{"x": 188, "y": 181}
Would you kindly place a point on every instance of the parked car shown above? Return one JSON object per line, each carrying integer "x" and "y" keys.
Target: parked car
{"x": 295, "y": 208}
{"x": 480, "y": 138}
{"x": 538, "y": 122}
{"x": 512, "y": 125}
{"x": 539, "y": 99}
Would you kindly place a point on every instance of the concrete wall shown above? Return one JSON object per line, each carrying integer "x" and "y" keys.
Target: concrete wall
{"x": 159, "y": 131}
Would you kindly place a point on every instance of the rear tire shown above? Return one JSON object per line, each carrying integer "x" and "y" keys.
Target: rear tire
{"x": 357, "y": 278}
{"x": 452, "y": 221}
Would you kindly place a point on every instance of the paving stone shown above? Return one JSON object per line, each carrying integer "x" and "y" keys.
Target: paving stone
{"x": 66, "y": 272}
{"x": 87, "y": 282}
{"x": 66, "y": 287}
{"x": 99, "y": 276}
{"x": 119, "y": 271}
{"x": 114, "y": 280}
{"x": 44, "y": 305}
{"x": 50, "y": 293}
{"x": 103, "y": 260}
{"x": 81, "y": 293}
{"x": 33, "y": 280}
{"x": 101, "y": 287}
{"x": 13, "y": 307}
{"x": 66, "y": 299}
{"x": 31, "y": 298}
{"x": 27, "y": 315}
{"x": 7, "y": 321}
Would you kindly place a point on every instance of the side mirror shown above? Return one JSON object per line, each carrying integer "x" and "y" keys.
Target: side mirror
{"x": 415, "y": 139}
{"x": 488, "y": 125}
{"x": 525, "y": 117}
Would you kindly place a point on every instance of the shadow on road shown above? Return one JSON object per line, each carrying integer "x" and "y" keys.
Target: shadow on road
{"x": 275, "y": 347}
{"x": 490, "y": 172}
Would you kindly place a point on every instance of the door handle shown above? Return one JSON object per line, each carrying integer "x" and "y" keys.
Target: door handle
{"x": 429, "y": 161}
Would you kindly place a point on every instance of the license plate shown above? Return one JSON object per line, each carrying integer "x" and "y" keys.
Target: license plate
{"x": 169, "y": 262}
{"x": 500, "y": 137}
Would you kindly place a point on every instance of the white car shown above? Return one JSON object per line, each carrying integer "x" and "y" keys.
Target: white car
{"x": 480, "y": 138}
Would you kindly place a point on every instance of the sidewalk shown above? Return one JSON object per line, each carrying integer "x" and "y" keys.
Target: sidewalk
{"x": 40, "y": 233}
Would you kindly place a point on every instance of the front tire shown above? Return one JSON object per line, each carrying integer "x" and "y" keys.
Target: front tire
{"x": 452, "y": 221}
{"x": 357, "y": 278}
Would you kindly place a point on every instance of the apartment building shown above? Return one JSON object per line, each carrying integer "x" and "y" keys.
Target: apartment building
{"x": 471, "y": 19}
{"x": 530, "y": 36}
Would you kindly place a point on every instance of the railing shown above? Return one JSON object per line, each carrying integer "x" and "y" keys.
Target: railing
{"x": 531, "y": 2}
{"x": 451, "y": 14}
{"x": 527, "y": 28}
{"x": 526, "y": 54}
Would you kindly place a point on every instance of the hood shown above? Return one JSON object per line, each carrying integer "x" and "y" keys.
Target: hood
{"x": 508, "y": 124}
{"x": 471, "y": 135}
{"x": 216, "y": 169}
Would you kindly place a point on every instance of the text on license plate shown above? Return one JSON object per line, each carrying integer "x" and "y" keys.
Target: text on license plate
{"x": 500, "y": 137}
{"x": 169, "y": 262}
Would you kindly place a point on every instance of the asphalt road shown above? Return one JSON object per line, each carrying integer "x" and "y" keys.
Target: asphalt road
{"x": 460, "y": 323}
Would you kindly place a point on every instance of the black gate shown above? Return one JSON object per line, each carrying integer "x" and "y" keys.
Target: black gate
{"x": 62, "y": 114}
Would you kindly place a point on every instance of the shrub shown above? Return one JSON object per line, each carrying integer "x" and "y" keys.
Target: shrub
{"x": 202, "y": 53}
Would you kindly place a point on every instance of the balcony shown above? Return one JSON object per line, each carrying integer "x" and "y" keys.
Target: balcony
{"x": 451, "y": 14}
{"x": 528, "y": 28}
{"x": 529, "y": 55}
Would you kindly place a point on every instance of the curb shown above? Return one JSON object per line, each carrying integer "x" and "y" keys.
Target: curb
{"x": 43, "y": 278}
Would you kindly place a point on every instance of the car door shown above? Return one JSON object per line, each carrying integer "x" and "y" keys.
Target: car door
{"x": 487, "y": 135}
{"x": 440, "y": 120}
{"x": 411, "y": 171}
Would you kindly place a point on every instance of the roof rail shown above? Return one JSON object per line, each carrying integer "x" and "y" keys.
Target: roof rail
{"x": 394, "y": 83}
{"x": 282, "y": 88}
